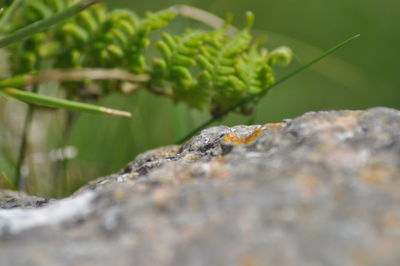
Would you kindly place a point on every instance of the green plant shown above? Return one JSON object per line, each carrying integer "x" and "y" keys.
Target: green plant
{"x": 18, "y": 33}
{"x": 97, "y": 52}
{"x": 207, "y": 69}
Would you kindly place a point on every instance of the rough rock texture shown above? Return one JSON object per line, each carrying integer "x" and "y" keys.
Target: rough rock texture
{"x": 321, "y": 189}
{"x": 11, "y": 199}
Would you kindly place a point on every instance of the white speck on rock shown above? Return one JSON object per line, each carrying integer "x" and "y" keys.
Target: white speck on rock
{"x": 122, "y": 178}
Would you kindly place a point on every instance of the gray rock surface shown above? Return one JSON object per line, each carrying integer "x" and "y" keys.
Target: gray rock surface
{"x": 321, "y": 189}
{"x": 12, "y": 199}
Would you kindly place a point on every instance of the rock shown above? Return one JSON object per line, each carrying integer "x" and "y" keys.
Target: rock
{"x": 12, "y": 199}
{"x": 321, "y": 189}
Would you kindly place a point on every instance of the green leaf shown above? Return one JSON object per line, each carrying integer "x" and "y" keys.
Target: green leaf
{"x": 37, "y": 99}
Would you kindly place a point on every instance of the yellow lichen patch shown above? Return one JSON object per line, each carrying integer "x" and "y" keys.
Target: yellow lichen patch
{"x": 164, "y": 152}
{"x": 191, "y": 157}
{"x": 235, "y": 139}
{"x": 277, "y": 124}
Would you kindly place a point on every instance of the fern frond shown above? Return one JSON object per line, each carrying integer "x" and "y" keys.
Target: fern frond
{"x": 174, "y": 68}
{"x": 280, "y": 56}
{"x": 94, "y": 38}
{"x": 218, "y": 60}
{"x": 204, "y": 69}
{"x": 213, "y": 69}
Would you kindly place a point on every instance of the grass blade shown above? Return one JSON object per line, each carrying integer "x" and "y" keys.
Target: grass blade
{"x": 14, "y": 5}
{"x": 45, "y": 23}
{"x": 265, "y": 90}
{"x": 37, "y": 99}
{"x": 6, "y": 182}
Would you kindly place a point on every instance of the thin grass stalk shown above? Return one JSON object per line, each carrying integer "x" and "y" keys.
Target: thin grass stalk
{"x": 20, "y": 183}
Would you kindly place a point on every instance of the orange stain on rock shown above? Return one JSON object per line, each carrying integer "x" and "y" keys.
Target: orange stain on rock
{"x": 235, "y": 139}
{"x": 277, "y": 124}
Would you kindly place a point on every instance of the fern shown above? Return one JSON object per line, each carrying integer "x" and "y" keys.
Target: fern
{"x": 94, "y": 38}
{"x": 211, "y": 69}
{"x": 178, "y": 55}
{"x": 205, "y": 69}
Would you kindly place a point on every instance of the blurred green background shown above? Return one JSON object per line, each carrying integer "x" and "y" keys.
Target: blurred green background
{"x": 360, "y": 75}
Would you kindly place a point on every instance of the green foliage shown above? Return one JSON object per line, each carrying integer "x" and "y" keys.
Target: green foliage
{"x": 93, "y": 38}
{"x": 214, "y": 69}
{"x": 221, "y": 70}
{"x": 279, "y": 57}
{"x": 205, "y": 69}
{"x": 26, "y": 79}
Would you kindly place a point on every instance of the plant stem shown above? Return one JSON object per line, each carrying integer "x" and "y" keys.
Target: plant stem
{"x": 265, "y": 90}
{"x": 19, "y": 179}
{"x": 45, "y": 23}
